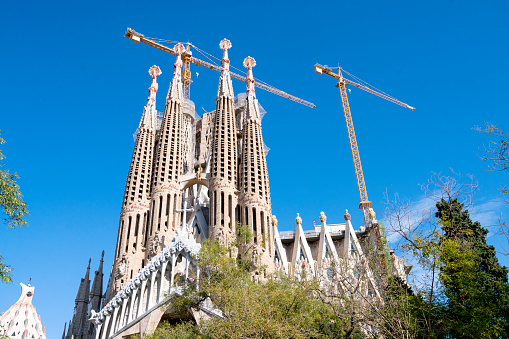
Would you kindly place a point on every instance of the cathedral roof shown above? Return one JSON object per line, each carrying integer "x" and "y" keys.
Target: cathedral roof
{"x": 21, "y": 319}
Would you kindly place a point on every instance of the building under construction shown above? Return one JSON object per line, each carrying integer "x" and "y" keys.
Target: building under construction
{"x": 193, "y": 178}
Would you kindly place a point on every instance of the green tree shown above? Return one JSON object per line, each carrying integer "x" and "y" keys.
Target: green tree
{"x": 474, "y": 283}
{"x": 252, "y": 304}
{"x": 14, "y": 208}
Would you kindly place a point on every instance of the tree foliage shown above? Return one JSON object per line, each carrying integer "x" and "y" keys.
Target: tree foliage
{"x": 474, "y": 283}
{"x": 14, "y": 208}
{"x": 251, "y": 304}
{"x": 461, "y": 290}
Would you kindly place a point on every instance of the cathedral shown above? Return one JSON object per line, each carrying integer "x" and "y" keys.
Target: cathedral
{"x": 193, "y": 178}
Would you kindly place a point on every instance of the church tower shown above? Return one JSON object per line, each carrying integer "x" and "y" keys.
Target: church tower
{"x": 135, "y": 214}
{"x": 254, "y": 178}
{"x": 168, "y": 165}
{"x": 223, "y": 172}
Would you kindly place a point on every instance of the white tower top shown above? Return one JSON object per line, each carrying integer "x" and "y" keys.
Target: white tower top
{"x": 225, "y": 82}
{"x": 176, "y": 91}
{"x": 21, "y": 319}
{"x": 252, "y": 109}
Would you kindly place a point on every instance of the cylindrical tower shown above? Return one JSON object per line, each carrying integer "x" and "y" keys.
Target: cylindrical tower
{"x": 254, "y": 188}
{"x": 223, "y": 169}
{"x": 134, "y": 216}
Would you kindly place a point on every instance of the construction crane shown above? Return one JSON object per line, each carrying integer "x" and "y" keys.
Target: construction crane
{"x": 188, "y": 59}
{"x": 365, "y": 204}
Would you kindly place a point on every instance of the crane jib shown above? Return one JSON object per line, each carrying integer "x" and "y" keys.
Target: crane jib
{"x": 138, "y": 37}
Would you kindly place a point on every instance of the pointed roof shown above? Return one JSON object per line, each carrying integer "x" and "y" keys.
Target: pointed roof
{"x": 83, "y": 291}
{"x": 97, "y": 285}
{"x": 252, "y": 108}
{"x": 149, "y": 117}
{"x": 21, "y": 319}
{"x": 225, "y": 82}
{"x": 63, "y": 334}
{"x": 176, "y": 91}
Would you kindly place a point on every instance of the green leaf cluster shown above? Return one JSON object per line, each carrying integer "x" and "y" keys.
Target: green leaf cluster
{"x": 14, "y": 208}
{"x": 475, "y": 285}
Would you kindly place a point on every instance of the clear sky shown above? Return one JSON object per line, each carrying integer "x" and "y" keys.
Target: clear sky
{"x": 72, "y": 91}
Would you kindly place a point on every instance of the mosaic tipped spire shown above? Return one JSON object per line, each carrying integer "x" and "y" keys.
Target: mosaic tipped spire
{"x": 252, "y": 108}
{"x": 149, "y": 117}
{"x": 176, "y": 90}
{"x": 225, "y": 81}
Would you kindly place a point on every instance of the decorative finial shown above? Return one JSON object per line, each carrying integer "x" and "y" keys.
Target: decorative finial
{"x": 372, "y": 214}
{"x": 179, "y": 48}
{"x": 29, "y": 281}
{"x": 298, "y": 220}
{"x": 274, "y": 220}
{"x": 347, "y": 215}
{"x": 249, "y": 62}
{"x": 89, "y": 261}
{"x": 102, "y": 255}
{"x": 225, "y": 45}
{"x": 154, "y": 71}
{"x": 323, "y": 218}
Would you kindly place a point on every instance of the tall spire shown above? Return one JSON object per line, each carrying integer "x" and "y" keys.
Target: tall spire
{"x": 96, "y": 295}
{"x": 83, "y": 291}
{"x": 149, "y": 117}
{"x": 168, "y": 166}
{"x": 254, "y": 179}
{"x": 176, "y": 92}
{"x": 134, "y": 215}
{"x": 225, "y": 82}
{"x": 79, "y": 319}
{"x": 223, "y": 172}
{"x": 97, "y": 287}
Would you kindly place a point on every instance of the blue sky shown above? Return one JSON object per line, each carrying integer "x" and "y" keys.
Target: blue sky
{"x": 73, "y": 88}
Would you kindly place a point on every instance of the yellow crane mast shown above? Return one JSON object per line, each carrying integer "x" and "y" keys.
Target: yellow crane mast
{"x": 365, "y": 204}
{"x": 188, "y": 59}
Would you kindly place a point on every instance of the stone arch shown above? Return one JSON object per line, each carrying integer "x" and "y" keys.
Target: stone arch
{"x": 145, "y": 300}
{"x": 117, "y": 322}
{"x": 136, "y": 304}
{"x": 156, "y": 289}
{"x": 194, "y": 181}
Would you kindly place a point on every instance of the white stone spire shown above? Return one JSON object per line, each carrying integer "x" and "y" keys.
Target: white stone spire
{"x": 21, "y": 319}
{"x": 176, "y": 91}
{"x": 252, "y": 109}
{"x": 225, "y": 82}
{"x": 149, "y": 117}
